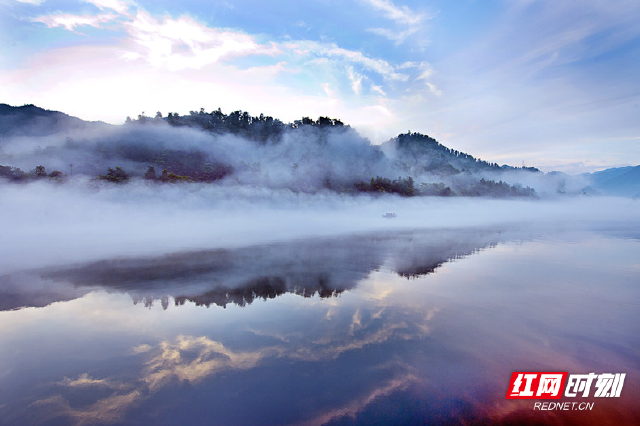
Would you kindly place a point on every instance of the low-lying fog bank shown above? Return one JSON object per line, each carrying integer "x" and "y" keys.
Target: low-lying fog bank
{"x": 46, "y": 224}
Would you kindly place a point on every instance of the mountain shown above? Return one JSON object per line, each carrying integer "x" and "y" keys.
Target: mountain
{"x": 30, "y": 120}
{"x": 420, "y": 153}
{"x": 624, "y": 181}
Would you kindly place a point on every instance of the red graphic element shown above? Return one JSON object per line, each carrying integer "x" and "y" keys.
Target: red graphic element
{"x": 536, "y": 385}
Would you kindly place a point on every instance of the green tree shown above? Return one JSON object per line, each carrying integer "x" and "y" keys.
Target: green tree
{"x": 117, "y": 175}
{"x": 150, "y": 174}
{"x": 39, "y": 172}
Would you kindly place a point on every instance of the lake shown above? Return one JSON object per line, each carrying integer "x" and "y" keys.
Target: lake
{"x": 394, "y": 327}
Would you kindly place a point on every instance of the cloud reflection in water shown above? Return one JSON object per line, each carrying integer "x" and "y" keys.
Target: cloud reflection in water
{"x": 404, "y": 347}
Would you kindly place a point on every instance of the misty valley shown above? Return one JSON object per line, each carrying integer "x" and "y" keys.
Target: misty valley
{"x": 216, "y": 268}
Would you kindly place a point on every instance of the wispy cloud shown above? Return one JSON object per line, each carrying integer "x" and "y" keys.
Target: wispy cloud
{"x": 356, "y": 81}
{"x": 397, "y": 36}
{"x": 433, "y": 89}
{"x": 379, "y": 66}
{"x": 70, "y": 22}
{"x": 400, "y": 14}
{"x": 115, "y": 5}
{"x": 86, "y": 381}
{"x": 351, "y": 408}
{"x": 34, "y": 2}
{"x": 407, "y": 21}
{"x": 378, "y": 89}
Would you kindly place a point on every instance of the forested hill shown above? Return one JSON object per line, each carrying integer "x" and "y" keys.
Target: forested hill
{"x": 30, "y": 120}
{"x": 306, "y": 155}
{"x": 428, "y": 152}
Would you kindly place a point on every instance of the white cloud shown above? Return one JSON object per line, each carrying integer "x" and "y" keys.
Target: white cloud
{"x": 408, "y": 64}
{"x": 34, "y": 2}
{"x": 433, "y": 89}
{"x": 379, "y": 66}
{"x": 326, "y": 88}
{"x": 356, "y": 81}
{"x": 400, "y": 14}
{"x": 407, "y": 23}
{"x": 182, "y": 43}
{"x": 265, "y": 72}
{"x": 70, "y": 21}
{"x": 173, "y": 44}
{"x": 378, "y": 89}
{"x": 397, "y": 36}
{"x": 426, "y": 73}
{"x": 115, "y": 5}
{"x": 86, "y": 381}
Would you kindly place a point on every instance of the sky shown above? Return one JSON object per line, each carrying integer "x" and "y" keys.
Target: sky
{"x": 551, "y": 84}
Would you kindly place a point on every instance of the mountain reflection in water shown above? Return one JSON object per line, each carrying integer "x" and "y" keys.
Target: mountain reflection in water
{"x": 325, "y": 267}
{"x": 410, "y": 328}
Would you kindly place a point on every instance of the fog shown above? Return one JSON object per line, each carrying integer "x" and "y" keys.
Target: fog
{"x": 299, "y": 161}
{"x": 45, "y": 223}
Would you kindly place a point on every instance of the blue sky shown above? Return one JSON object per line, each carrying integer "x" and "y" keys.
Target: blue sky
{"x": 553, "y": 84}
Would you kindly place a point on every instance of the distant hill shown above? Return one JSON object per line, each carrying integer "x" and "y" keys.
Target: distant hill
{"x": 30, "y": 120}
{"x": 623, "y": 181}
{"x": 421, "y": 153}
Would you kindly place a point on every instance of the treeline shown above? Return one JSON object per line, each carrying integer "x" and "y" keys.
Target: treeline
{"x": 400, "y": 186}
{"x": 379, "y": 185}
{"x": 406, "y": 187}
{"x": 262, "y": 128}
{"x": 119, "y": 175}
{"x": 15, "y": 174}
{"x": 113, "y": 175}
{"x": 491, "y": 188}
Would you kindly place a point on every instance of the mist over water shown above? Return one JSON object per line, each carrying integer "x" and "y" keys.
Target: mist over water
{"x": 80, "y": 220}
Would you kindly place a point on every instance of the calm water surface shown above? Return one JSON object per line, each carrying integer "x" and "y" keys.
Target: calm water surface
{"x": 421, "y": 327}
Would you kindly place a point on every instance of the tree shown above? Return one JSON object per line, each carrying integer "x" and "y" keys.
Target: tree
{"x": 150, "y": 174}
{"x": 12, "y": 173}
{"x": 116, "y": 176}
{"x": 56, "y": 175}
{"x": 39, "y": 172}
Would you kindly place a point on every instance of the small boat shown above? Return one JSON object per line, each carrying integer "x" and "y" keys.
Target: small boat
{"x": 389, "y": 215}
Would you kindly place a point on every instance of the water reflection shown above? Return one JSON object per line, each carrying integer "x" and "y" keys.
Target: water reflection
{"x": 378, "y": 337}
{"x": 325, "y": 267}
